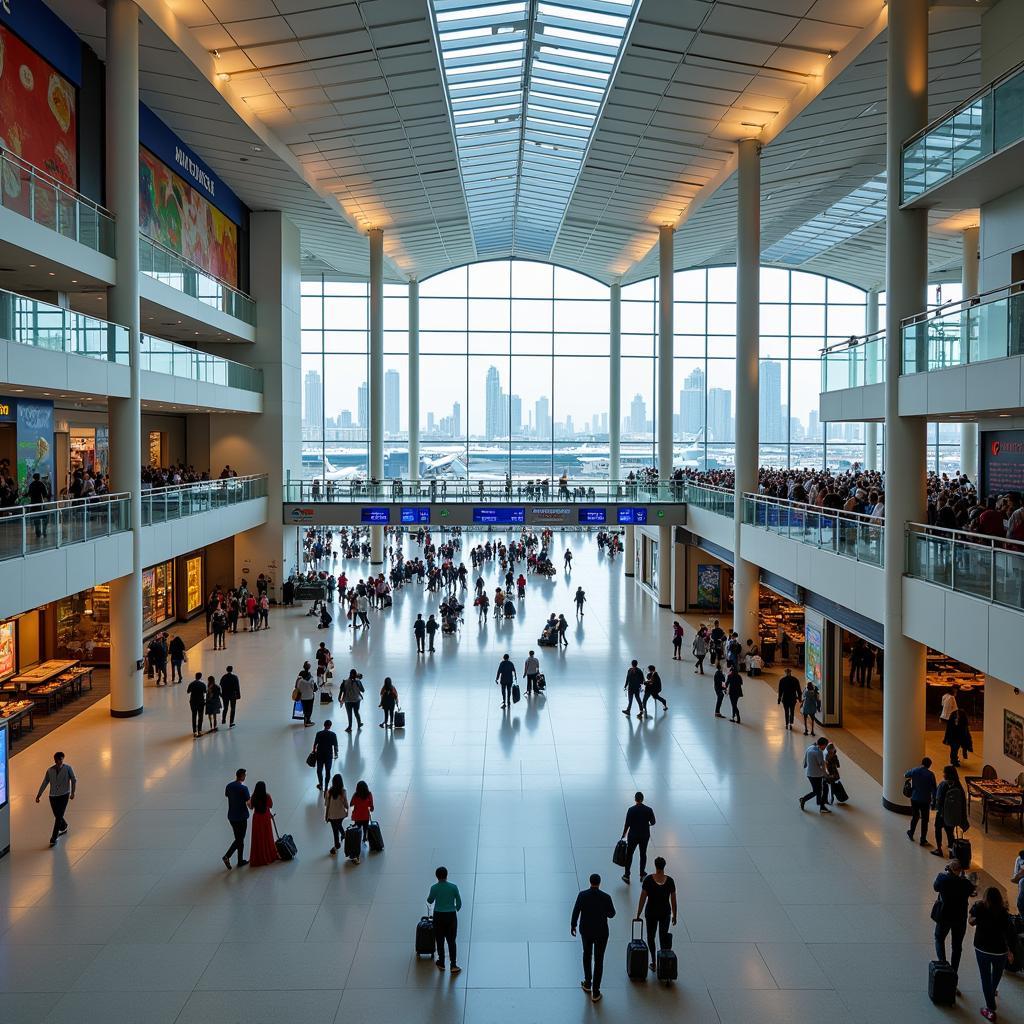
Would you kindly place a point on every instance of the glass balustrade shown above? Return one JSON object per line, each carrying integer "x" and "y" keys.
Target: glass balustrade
{"x": 164, "y": 504}
{"x": 34, "y": 194}
{"x": 990, "y": 120}
{"x": 169, "y": 357}
{"x": 29, "y": 529}
{"x": 720, "y": 500}
{"x": 160, "y": 263}
{"x": 28, "y": 321}
{"x": 854, "y": 363}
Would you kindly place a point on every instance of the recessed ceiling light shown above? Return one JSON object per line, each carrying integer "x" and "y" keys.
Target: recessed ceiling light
{"x": 224, "y": 76}
{"x": 19, "y": 390}
{"x": 74, "y": 280}
{"x": 33, "y": 265}
{"x": 256, "y": 149}
{"x": 52, "y": 273}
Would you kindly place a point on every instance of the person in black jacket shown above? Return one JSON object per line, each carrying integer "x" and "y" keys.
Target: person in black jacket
{"x": 652, "y": 691}
{"x": 419, "y": 628}
{"x": 734, "y": 686}
{"x": 325, "y": 750}
{"x": 634, "y": 684}
{"x": 955, "y": 890}
{"x": 196, "y": 691}
{"x": 637, "y": 833}
{"x": 719, "y": 682}
{"x": 789, "y": 696}
{"x": 592, "y": 911}
{"x": 230, "y": 691}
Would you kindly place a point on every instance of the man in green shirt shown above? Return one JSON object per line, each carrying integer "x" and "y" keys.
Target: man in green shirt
{"x": 446, "y": 901}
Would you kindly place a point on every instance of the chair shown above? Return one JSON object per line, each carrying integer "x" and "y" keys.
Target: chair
{"x": 988, "y": 773}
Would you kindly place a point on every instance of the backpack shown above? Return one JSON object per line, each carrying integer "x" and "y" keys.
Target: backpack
{"x": 954, "y": 808}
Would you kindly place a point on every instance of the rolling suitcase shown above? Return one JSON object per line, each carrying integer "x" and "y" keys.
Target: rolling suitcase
{"x": 375, "y": 837}
{"x": 960, "y": 848}
{"x": 637, "y": 954}
{"x": 353, "y": 841}
{"x": 941, "y": 983}
{"x": 399, "y": 719}
{"x": 839, "y": 791}
{"x": 620, "y": 853}
{"x": 425, "y": 936}
{"x": 540, "y": 682}
{"x": 516, "y": 694}
{"x": 286, "y": 848}
{"x": 668, "y": 965}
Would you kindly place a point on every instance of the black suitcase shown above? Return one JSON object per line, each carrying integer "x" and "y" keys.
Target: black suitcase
{"x": 375, "y": 838}
{"x": 620, "y": 853}
{"x": 516, "y": 694}
{"x": 399, "y": 719}
{"x": 286, "y": 848}
{"x": 960, "y": 848}
{"x": 425, "y": 936}
{"x": 668, "y": 965}
{"x": 839, "y": 791}
{"x": 941, "y": 983}
{"x": 540, "y": 682}
{"x": 637, "y": 955}
{"x": 353, "y": 841}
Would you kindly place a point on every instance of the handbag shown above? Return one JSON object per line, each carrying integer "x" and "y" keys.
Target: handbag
{"x": 908, "y": 788}
{"x": 936, "y": 911}
{"x": 311, "y": 759}
{"x": 295, "y": 693}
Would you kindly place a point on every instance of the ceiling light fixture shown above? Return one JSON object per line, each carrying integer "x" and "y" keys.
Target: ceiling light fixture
{"x": 224, "y": 76}
{"x": 215, "y": 54}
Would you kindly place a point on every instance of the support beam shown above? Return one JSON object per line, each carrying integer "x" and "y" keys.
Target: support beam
{"x": 969, "y": 431}
{"x": 871, "y": 429}
{"x": 615, "y": 384}
{"x": 665, "y": 404}
{"x": 414, "y": 380}
{"x": 665, "y": 563}
{"x": 629, "y": 550}
{"x": 376, "y": 382}
{"x": 906, "y": 275}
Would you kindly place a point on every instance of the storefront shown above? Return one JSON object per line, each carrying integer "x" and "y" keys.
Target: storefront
{"x": 26, "y": 440}
{"x": 21, "y": 643}
{"x": 83, "y": 626}
{"x": 88, "y": 450}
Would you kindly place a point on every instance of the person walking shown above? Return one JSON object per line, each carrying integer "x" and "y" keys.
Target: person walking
{"x": 591, "y": 913}
{"x": 734, "y": 687}
{"x": 950, "y": 804}
{"x": 62, "y": 783}
{"x": 581, "y": 600}
{"x": 531, "y": 669}
{"x": 305, "y": 690}
{"x": 388, "y": 703}
{"x": 637, "y": 833}
{"x": 833, "y": 768}
{"x": 677, "y": 642}
{"x": 719, "y": 684}
{"x": 567, "y": 559}
{"x": 958, "y": 737}
{"x": 177, "y": 652}
{"x": 814, "y": 768}
{"x": 1018, "y": 879}
{"x": 432, "y": 627}
{"x": 446, "y": 900}
{"x": 419, "y": 628}
{"x": 325, "y": 750}
{"x": 789, "y": 695}
{"x": 652, "y": 691}
{"x": 954, "y": 890}
{"x": 700, "y": 649}
{"x": 922, "y": 793}
{"x": 237, "y": 794}
{"x": 219, "y": 622}
{"x": 336, "y": 811}
{"x": 231, "y": 693}
{"x": 351, "y": 695}
{"x": 213, "y": 702}
{"x": 634, "y": 684}
{"x": 196, "y": 691}
{"x": 994, "y": 940}
{"x": 809, "y": 705}
{"x": 262, "y": 849}
{"x": 361, "y": 807}
{"x": 563, "y": 626}
{"x": 505, "y": 677}
{"x": 658, "y": 906}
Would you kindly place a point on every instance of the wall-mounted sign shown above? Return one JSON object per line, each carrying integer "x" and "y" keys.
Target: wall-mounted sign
{"x": 592, "y": 516}
{"x": 551, "y": 515}
{"x": 301, "y": 515}
{"x": 376, "y": 515}
{"x": 1002, "y": 461}
{"x": 416, "y": 514}
{"x": 499, "y": 516}
{"x": 632, "y": 516}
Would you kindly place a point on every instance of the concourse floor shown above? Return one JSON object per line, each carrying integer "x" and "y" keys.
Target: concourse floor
{"x": 784, "y": 916}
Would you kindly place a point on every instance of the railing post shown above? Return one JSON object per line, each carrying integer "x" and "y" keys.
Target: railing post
{"x": 991, "y": 572}
{"x": 24, "y": 534}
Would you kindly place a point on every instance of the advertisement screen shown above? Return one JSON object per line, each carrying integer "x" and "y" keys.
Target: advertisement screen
{"x": 37, "y": 123}
{"x": 376, "y": 514}
{"x": 632, "y": 516}
{"x": 593, "y": 516}
{"x": 8, "y": 651}
{"x": 35, "y": 441}
{"x": 415, "y": 513}
{"x": 3, "y": 766}
{"x": 499, "y": 516}
{"x": 1002, "y": 462}
{"x": 174, "y": 214}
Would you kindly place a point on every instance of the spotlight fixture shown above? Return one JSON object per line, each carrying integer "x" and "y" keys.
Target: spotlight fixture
{"x": 224, "y": 76}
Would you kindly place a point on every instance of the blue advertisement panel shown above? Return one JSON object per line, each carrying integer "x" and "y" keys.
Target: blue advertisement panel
{"x": 376, "y": 515}
{"x": 415, "y": 514}
{"x": 499, "y": 516}
{"x": 33, "y": 421}
{"x": 38, "y": 26}
{"x": 709, "y": 587}
{"x": 631, "y": 516}
{"x": 593, "y": 516}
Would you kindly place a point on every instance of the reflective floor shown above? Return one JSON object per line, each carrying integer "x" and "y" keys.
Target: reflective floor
{"x": 785, "y": 916}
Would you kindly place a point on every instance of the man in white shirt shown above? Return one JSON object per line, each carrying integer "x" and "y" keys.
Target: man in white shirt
{"x": 814, "y": 767}
{"x": 948, "y": 705}
{"x": 531, "y": 669}
{"x": 60, "y": 778}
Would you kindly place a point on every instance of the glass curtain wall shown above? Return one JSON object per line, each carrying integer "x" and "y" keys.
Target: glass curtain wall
{"x": 514, "y": 372}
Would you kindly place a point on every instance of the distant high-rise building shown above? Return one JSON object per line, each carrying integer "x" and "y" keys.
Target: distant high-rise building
{"x": 637, "y": 415}
{"x": 515, "y": 414}
{"x": 456, "y": 420}
{"x": 542, "y": 417}
{"x": 313, "y": 400}
{"x": 691, "y": 402}
{"x": 569, "y": 428}
{"x": 345, "y": 419}
{"x": 604, "y": 423}
{"x": 392, "y": 405}
{"x": 719, "y": 415}
{"x": 494, "y": 424}
{"x": 771, "y": 425}
{"x": 430, "y": 422}
{"x": 813, "y": 425}
{"x": 363, "y": 406}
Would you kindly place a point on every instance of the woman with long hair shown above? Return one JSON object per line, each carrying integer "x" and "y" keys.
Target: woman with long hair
{"x": 263, "y": 849}
{"x": 336, "y": 810}
{"x": 362, "y": 807}
{"x": 993, "y": 935}
{"x": 388, "y": 701}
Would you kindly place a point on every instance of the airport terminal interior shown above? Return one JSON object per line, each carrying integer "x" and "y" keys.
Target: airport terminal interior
{"x": 571, "y": 451}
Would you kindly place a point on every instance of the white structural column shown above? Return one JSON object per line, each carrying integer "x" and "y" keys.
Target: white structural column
{"x": 746, "y": 584}
{"x": 871, "y": 377}
{"x": 124, "y": 414}
{"x": 414, "y": 380}
{"x": 906, "y": 293}
{"x": 629, "y": 550}
{"x": 665, "y": 405}
{"x": 969, "y": 431}
{"x": 615, "y": 385}
{"x": 376, "y": 388}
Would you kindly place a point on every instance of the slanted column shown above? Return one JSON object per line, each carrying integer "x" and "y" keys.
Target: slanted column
{"x": 376, "y": 383}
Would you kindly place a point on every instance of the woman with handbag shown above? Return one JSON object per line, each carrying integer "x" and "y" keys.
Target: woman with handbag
{"x": 336, "y": 811}
{"x": 305, "y": 691}
{"x": 809, "y": 705}
{"x": 262, "y": 849}
{"x": 388, "y": 701}
{"x": 351, "y": 695}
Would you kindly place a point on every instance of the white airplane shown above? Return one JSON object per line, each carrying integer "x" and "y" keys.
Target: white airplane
{"x": 348, "y": 473}
{"x": 450, "y": 466}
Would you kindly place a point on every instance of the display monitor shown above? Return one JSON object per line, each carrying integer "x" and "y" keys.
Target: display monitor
{"x": 593, "y": 516}
{"x": 377, "y": 515}
{"x": 499, "y": 516}
{"x": 632, "y": 516}
{"x": 3, "y": 766}
{"x": 415, "y": 513}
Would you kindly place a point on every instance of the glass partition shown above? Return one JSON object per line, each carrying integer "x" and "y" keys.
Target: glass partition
{"x": 169, "y": 357}
{"x": 163, "y": 504}
{"x": 854, "y": 363}
{"x": 28, "y": 529}
{"x": 28, "y": 321}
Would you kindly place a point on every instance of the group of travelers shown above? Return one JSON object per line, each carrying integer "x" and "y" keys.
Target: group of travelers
{"x": 225, "y": 608}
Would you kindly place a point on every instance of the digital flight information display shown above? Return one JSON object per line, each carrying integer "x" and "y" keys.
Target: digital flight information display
{"x": 376, "y": 515}
{"x": 593, "y": 516}
{"x": 415, "y": 513}
{"x": 499, "y": 516}
{"x": 632, "y": 516}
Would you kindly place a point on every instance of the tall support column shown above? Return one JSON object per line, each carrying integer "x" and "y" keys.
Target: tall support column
{"x": 414, "y": 380}
{"x": 124, "y": 414}
{"x": 905, "y": 457}
{"x": 871, "y": 377}
{"x": 629, "y": 550}
{"x": 969, "y": 431}
{"x": 745, "y": 588}
{"x": 665, "y": 563}
{"x": 376, "y": 384}
{"x": 666, "y": 270}
{"x": 615, "y": 384}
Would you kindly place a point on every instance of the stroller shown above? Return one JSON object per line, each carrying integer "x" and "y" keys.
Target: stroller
{"x": 509, "y": 609}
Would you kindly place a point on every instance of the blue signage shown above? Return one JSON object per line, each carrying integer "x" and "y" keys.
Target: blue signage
{"x": 168, "y": 148}
{"x": 376, "y": 515}
{"x": 593, "y": 516}
{"x": 499, "y": 516}
{"x": 632, "y": 516}
{"x": 38, "y": 26}
{"x": 415, "y": 513}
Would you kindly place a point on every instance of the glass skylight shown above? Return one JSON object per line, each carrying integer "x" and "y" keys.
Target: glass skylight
{"x": 526, "y": 80}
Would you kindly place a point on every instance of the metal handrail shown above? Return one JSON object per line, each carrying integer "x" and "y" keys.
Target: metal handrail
{"x": 191, "y": 265}
{"x": 179, "y": 501}
{"x": 965, "y": 303}
{"x": 33, "y": 529}
{"x": 806, "y": 506}
{"x": 977, "y": 540}
{"x": 55, "y": 183}
{"x": 247, "y": 378}
{"x": 61, "y": 503}
{"x": 214, "y": 481}
{"x": 853, "y": 341}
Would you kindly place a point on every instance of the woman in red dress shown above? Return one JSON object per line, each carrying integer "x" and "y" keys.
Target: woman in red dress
{"x": 262, "y": 849}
